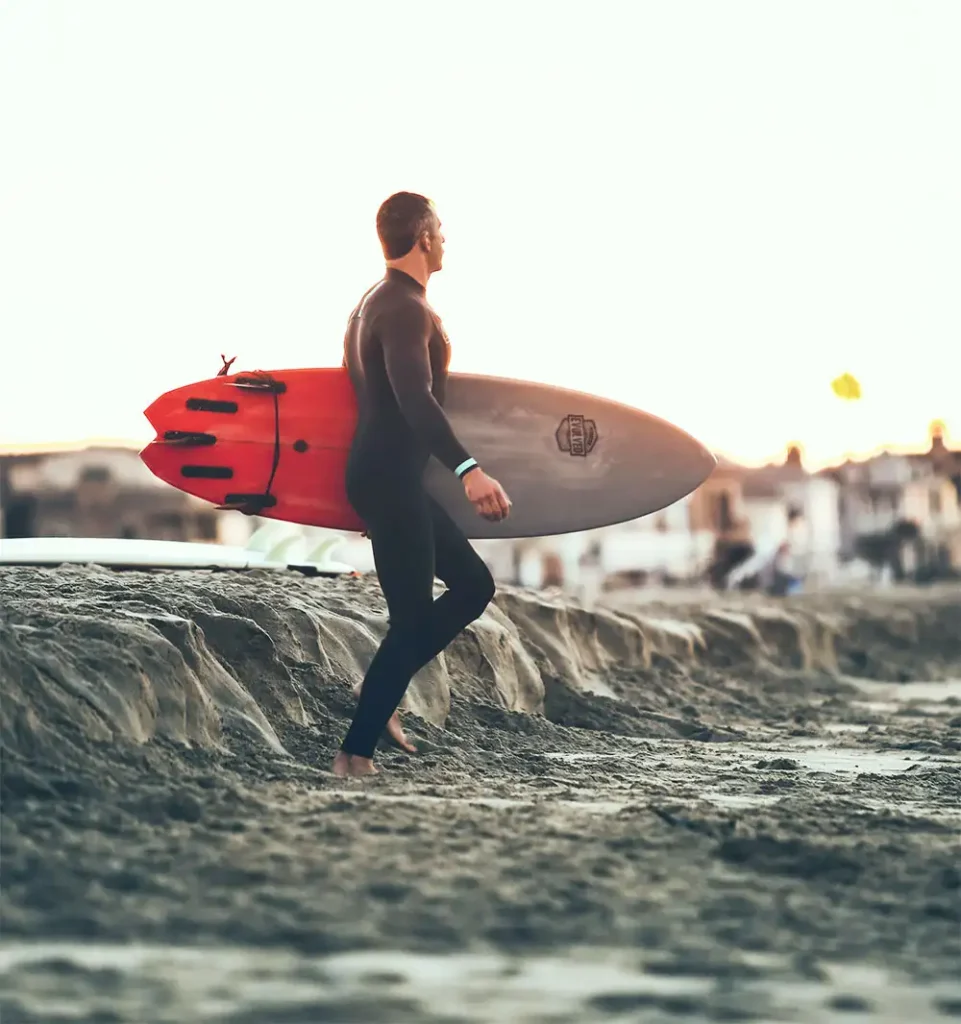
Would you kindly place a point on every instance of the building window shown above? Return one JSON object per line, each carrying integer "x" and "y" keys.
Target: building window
{"x": 95, "y": 475}
{"x": 167, "y": 526}
{"x": 206, "y": 527}
{"x": 19, "y": 518}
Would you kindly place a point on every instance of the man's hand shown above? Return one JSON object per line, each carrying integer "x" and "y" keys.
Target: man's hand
{"x": 486, "y": 495}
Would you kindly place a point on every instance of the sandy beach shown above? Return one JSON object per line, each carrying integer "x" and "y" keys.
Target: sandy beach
{"x": 728, "y": 809}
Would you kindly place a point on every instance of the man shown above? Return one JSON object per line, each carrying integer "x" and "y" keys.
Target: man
{"x": 397, "y": 354}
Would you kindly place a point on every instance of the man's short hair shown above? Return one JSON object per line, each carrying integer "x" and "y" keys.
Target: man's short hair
{"x": 401, "y": 220}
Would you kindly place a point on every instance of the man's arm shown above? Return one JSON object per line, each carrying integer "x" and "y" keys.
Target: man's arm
{"x": 405, "y": 336}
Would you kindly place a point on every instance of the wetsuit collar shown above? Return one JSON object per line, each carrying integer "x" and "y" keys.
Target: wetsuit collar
{"x": 399, "y": 277}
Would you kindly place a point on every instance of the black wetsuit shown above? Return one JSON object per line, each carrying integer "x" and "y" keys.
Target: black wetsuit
{"x": 397, "y": 354}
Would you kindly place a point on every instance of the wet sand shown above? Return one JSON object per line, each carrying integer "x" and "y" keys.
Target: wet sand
{"x": 722, "y": 810}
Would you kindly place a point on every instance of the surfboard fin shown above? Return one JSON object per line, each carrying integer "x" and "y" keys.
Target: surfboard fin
{"x": 188, "y": 439}
{"x": 249, "y": 504}
{"x": 259, "y": 382}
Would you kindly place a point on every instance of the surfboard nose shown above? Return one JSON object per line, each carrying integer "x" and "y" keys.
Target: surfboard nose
{"x": 689, "y": 457}
{"x": 707, "y": 460}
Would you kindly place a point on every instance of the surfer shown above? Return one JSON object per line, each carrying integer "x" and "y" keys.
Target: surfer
{"x": 771, "y": 565}
{"x": 397, "y": 353}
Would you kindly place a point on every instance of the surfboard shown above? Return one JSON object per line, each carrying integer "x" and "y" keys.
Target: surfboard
{"x": 123, "y": 553}
{"x": 275, "y": 444}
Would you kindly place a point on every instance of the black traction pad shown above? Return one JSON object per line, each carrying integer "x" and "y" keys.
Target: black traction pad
{"x": 210, "y": 405}
{"x": 207, "y": 472}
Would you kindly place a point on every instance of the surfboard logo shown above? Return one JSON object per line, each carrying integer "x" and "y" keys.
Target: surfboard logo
{"x": 576, "y": 435}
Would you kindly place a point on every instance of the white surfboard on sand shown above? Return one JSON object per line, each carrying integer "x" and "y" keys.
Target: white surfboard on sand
{"x": 118, "y": 553}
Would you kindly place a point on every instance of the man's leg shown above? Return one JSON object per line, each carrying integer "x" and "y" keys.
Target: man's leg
{"x": 401, "y": 535}
{"x": 470, "y": 589}
{"x": 470, "y": 586}
{"x": 417, "y": 634}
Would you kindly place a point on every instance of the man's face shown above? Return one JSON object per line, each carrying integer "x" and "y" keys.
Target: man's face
{"x": 435, "y": 239}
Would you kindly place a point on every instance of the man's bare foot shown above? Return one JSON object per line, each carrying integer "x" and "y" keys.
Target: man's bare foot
{"x": 395, "y": 730}
{"x": 349, "y": 765}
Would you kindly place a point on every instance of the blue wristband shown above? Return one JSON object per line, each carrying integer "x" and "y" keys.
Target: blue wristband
{"x": 464, "y": 467}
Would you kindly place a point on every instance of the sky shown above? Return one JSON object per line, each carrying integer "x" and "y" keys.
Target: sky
{"x": 705, "y": 210}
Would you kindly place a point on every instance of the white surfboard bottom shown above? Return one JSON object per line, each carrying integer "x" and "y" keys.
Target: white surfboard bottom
{"x": 113, "y": 552}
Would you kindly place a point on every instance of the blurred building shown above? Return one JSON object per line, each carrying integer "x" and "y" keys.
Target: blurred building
{"x": 103, "y": 492}
{"x": 903, "y": 506}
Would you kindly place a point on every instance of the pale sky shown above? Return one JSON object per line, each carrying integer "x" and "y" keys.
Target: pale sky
{"x": 707, "y": 210}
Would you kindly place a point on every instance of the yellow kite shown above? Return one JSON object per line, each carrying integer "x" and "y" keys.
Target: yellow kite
{"x": 847, "y": 387}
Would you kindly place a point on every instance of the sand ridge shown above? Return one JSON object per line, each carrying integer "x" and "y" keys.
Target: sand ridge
{"x": 722, "y": 799}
